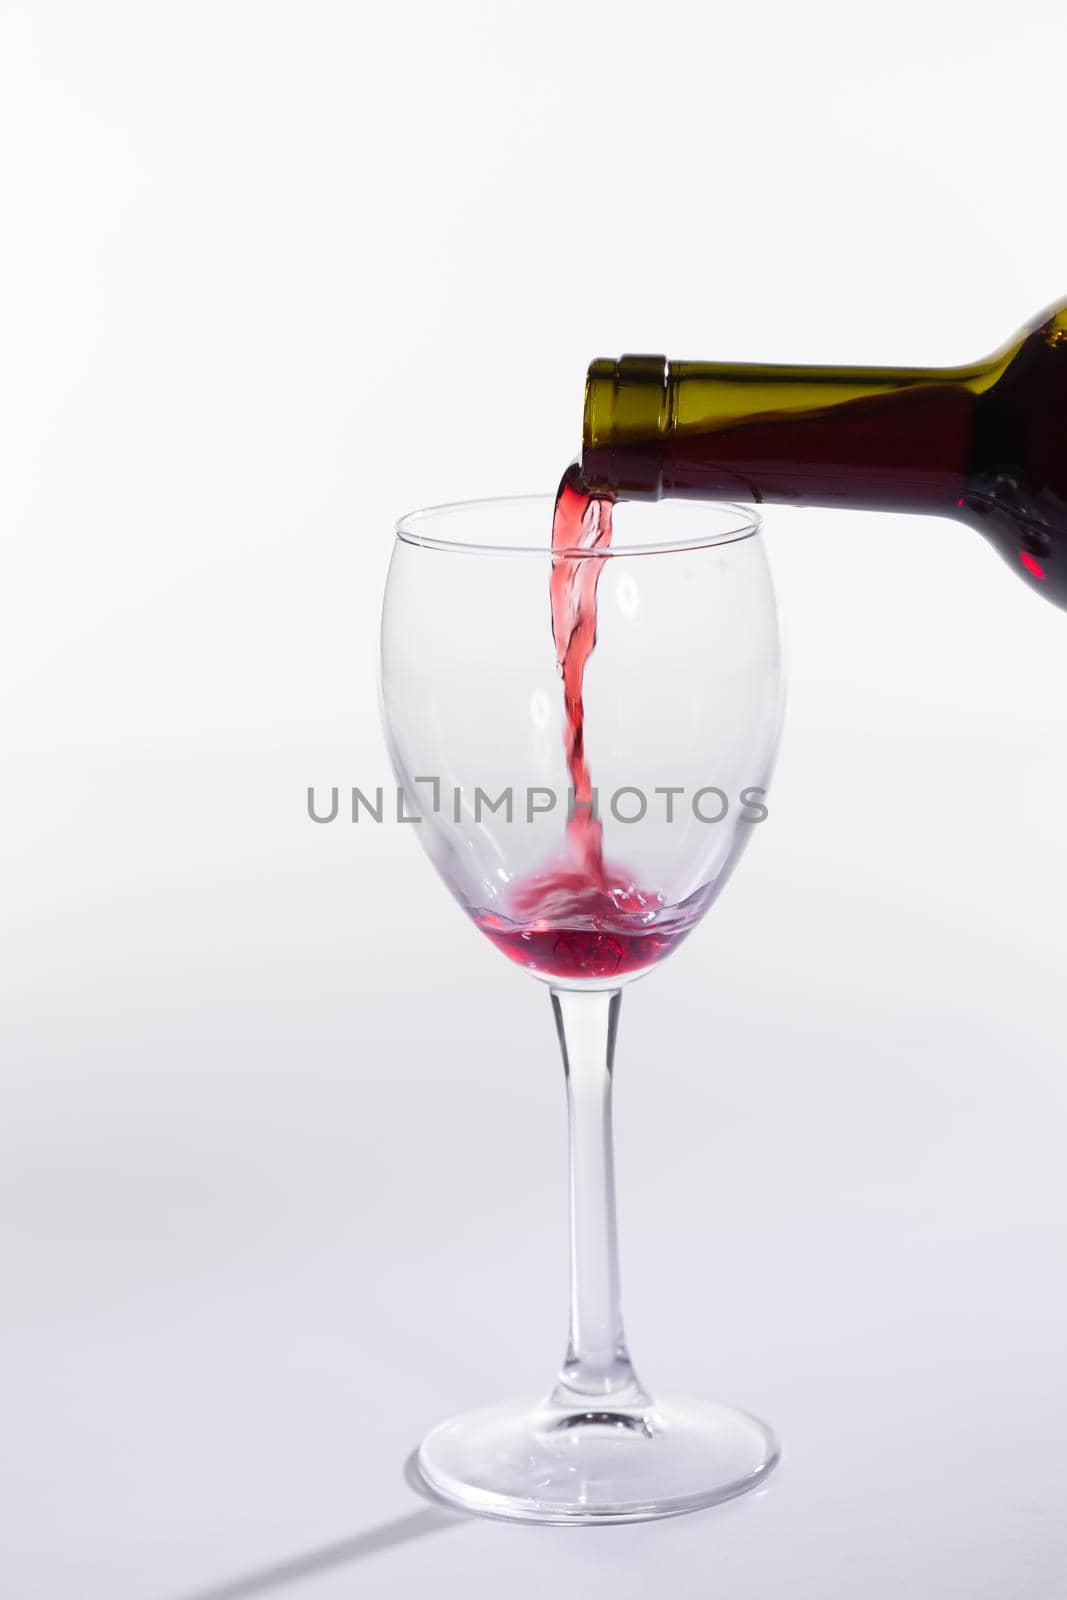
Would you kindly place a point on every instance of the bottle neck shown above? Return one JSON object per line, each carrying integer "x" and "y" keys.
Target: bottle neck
{"x": 884, "y": 438}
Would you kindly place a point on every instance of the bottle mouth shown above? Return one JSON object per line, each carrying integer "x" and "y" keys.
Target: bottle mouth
{"x": 626, "y": 415}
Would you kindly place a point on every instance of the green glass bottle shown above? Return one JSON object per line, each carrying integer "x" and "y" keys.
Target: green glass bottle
{"x": 984, "y": 443}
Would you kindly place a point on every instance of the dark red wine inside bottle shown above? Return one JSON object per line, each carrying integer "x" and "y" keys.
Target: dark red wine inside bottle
{"x": 985, "y": 443}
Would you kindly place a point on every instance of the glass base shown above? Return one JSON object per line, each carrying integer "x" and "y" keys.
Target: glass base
{"x": 547, "y": 1462}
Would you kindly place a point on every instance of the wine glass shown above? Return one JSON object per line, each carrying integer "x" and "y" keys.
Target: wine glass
{"x": 682, "y": 703}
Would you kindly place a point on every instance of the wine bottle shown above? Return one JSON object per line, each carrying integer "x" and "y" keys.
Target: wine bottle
{"x": 985, "y": 443}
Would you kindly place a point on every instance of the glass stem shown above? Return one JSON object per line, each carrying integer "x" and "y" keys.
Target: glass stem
{"x": 597, "y": 1366}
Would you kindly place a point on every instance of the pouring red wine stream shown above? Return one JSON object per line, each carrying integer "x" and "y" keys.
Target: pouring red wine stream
{"x": 582, "y": 917}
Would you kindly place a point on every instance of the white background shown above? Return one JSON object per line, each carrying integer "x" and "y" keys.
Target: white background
{"x": 282, "y": 1148}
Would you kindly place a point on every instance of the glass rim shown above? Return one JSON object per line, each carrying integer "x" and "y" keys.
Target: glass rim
{"x": 746, "y": 522}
